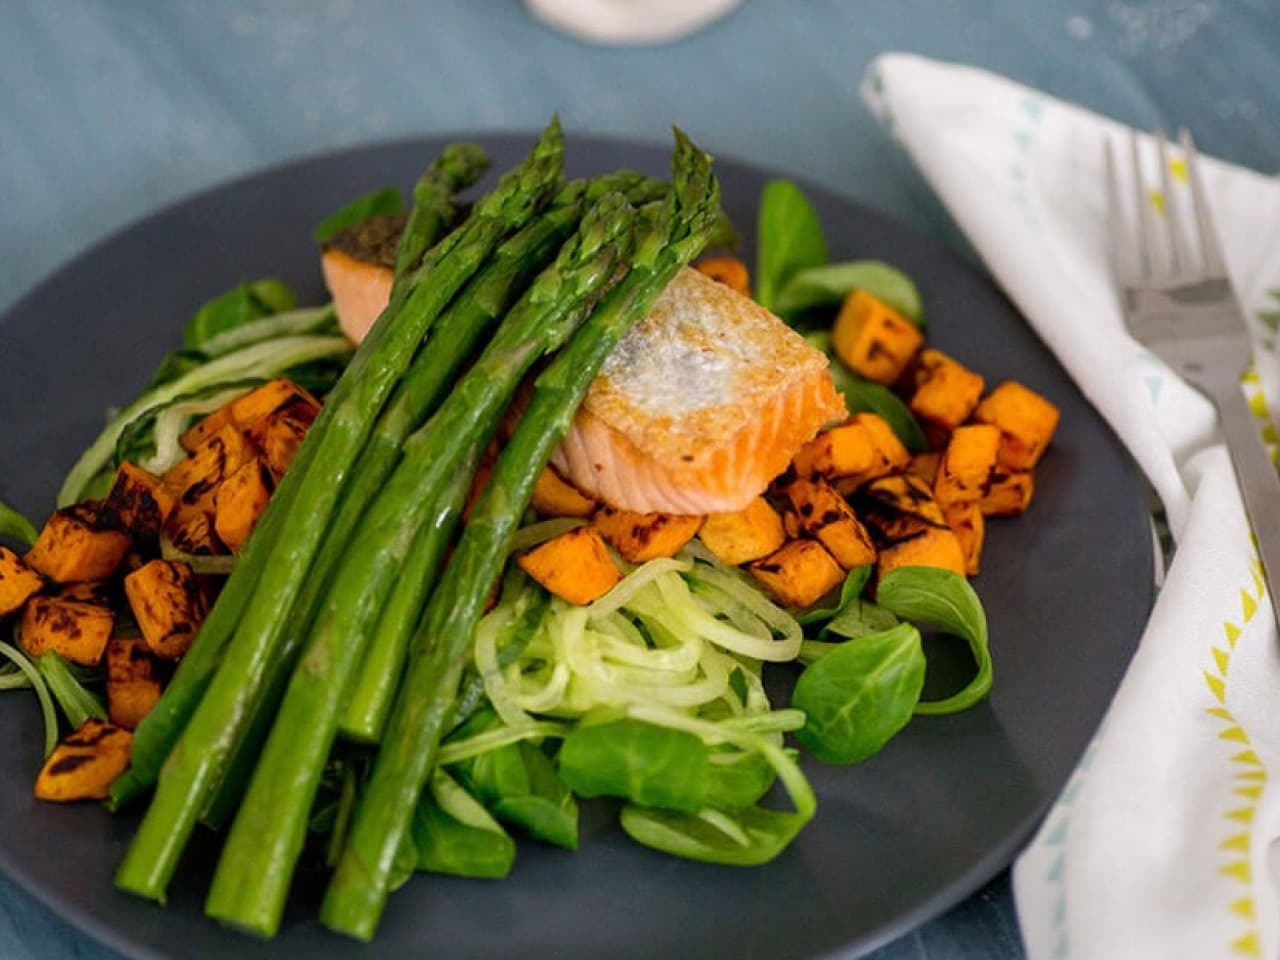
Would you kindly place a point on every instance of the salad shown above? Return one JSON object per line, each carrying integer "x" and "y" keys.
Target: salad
{"x": 533, "y": 540}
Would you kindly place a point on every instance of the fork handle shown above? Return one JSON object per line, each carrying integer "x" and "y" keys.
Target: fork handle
{"x": 1258, "y": 479}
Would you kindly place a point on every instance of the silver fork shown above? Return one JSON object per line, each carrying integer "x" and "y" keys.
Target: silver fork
{"x": 1179, "y": 303}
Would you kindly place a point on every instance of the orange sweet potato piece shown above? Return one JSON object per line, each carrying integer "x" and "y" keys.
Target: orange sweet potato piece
{"x": 195, "y": 479}
{"x": 967, "y": 464}
{"x": 239, "y": 503}
{"x": 925, "y": 466}
{"x": 946, "y": 390}
{"x": 75, "y": 631}
{"x": 166, "y": 602}
{"x": 206, "y": 428}
{"x": 18, "y": 582}
{"x": 1008, "y": 493}
{"x": 749, "y": 534}
{"x": 133, "y": 681}
{"x": 575, "y": 566}
{"x": 84, "y": 764}
{"x": 72, "y": 548}
{"x": 1026, "y": 421}
{"x": 970, "y": 527}
{"x": 644, "y": 536}
{"x": 906, "y": 494}
{"x": 730, "y": 271}
{"x": 799, "y": 574}
{"x": 100, "y": 594}
{"x": 139, "y": 504}
{"x": 862, "y": 449}
{"x": 828, "y": 518}
{"x": 931, "y": 547}
{"x": 873, "y": 339}
{"x": 556, "y": 497}
{"x": 248, "y": 411}
{"x": 191, "y": 530}
{"x": 281, "y": 432}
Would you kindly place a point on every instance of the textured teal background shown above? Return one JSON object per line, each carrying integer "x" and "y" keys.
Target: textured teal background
{"x": 111, "y": 109}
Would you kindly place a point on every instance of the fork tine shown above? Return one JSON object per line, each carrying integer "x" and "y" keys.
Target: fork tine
{"x": 1204, "y": 219}
{"x": 1118, "y": 234}
{"x": 1182, "y": 254}
{"x": 1146, "y": 225}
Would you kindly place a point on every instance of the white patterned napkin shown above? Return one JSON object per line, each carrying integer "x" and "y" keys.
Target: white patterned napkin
{"x": 1161, "y": 845}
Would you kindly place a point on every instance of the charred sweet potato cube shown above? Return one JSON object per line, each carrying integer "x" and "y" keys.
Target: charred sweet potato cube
{"x": 239, "y": 503}
{"x": 133, "y": 681}
{"x": 575, "y": 566}
{"x": 644, "y": 536}
{"x": 907, "y": 495}
{"x": 195, "y": 480}
{"x": 75, "y": 631}
{"x": 967, "y": 464}
{"x": 749, "y": 534}
{"x": 1026, "y": 421}
{"x": 84, "y": 764}
{"x": 828, "y": 518}
{"x": 862, "y": 449}
{"x": 873, "y": 339}
{"x": 730, "y": 271}
{"x": 252, "y": 410}
{"x": 166, "y": 602}
{"x": 799, "y": 574}
{"x": 790, "y": 524}
{"x": 139, "y": 504}
{"x": 556, "y": 497}
{"x": 18, "y": 582}
{"x": 282, "y": 431}
{"x": 931, "y": 547}
{"x": 1008, "y": 493}
{"x": 192, "y": 530}
{"x": 101, "y": 594}
{"x": 946, "y": 390}
{"x": 206, "y": 428}
{"x": 925, "y": 466}
{"x": 970, "y": 527}
{"x": 72, "y": 548}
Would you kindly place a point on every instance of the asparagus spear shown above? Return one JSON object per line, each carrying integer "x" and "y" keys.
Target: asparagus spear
{"x": 357, "y": 893}
{"x": 257, "y": 862}
{"x": 457, "y": 167}
{"x": 195, "y": 765}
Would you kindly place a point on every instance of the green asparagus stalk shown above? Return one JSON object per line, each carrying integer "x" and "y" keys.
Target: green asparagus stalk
{"x": 358, "y": 890}
{"x": 458, "y": 166}
{"x": 197, "y": 762}
{"x": 257, "y": 862}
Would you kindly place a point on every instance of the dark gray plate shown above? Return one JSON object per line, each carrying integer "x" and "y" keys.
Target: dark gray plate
{"x": 896, "y": 840}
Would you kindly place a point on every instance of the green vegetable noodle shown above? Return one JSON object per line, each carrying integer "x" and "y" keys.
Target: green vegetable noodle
{"x": 234, "y": 309}
{"x": 14, "y": 526}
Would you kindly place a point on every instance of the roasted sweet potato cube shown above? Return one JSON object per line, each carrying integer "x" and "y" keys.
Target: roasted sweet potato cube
{"x": 873, "y": 339}
{"x": 134, "y": 681}
{"x": 931, "y": 547}
{"x": 862, "y": 449}
{"x": 191, "y": 530}
{"x": 252, "y": 410}
{"x": 139, "y": 504}
{"x": 790, "y": 524}
{"x": 644, "y": 536}
{"x": 166, "y": 602}
{"x": 749, "y": 534}
{"x": 75, "y": 631}
{"x": 84, "y": 764}
{"x": 195, "y": 480}
{"x": 71, "y": 547}
{"x": 282, "y": 431}
{"x": 970, "y": 527}
{"x": 206, "y": 428}
{"x": 946, "y": 390}
{"x": 1008, "y": 493}
{"x": 730, "y": 271}
{"x": 102, "y": 593}
{"x": 239, "y": 503}
{"x": 18, "y": 582}
{"x": 925, "y": 466}
{"x": 908, "y": 495}
{"x": 556, "y": 497}
{"x": 575, "y": 566}
{"x": 967, "y": 464}
{"x": 799, "y": 574}
{"x": 828, "y": 518}
{"x": 1026, "y": 421}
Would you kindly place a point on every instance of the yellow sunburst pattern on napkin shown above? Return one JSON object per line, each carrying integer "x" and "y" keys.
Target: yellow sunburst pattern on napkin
{"x": 1250, "y": 774}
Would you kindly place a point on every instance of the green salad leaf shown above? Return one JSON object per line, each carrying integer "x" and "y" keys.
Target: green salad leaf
{"x": 789, "y": 238}
{"x": 828, "y": 284}
{"x": 15, "y": 526}
{"x": 235, "y": 308}
{"x": 454, "y": 834}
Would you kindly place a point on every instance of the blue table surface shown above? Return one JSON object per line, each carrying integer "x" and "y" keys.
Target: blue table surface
{"x": 110, "y": 110}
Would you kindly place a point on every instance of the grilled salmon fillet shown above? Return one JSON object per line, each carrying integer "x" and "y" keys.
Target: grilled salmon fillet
{"x": 358, "y": 266}
{"x": 701, "y": 405}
